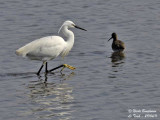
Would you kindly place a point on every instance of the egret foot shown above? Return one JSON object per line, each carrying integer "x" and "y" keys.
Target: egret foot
{"x": 67, "y": 66}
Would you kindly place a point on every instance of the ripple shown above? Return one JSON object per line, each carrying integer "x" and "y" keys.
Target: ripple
{"x": 49, "y": 100}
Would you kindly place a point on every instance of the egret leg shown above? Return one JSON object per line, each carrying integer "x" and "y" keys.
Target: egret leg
{"x": 46, "y": 70}
{"x": 40, "y": 68}
{"x": 55, "y": 68}
{"x": 64, "y": 66}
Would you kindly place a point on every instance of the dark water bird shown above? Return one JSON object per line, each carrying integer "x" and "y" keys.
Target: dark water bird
{"x": 117, "y": 45}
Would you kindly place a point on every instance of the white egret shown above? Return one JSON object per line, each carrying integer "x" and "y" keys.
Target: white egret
{"x": 48, "y": 48}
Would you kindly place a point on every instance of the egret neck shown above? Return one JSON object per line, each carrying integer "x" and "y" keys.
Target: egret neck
{"x": 70, "y": 39}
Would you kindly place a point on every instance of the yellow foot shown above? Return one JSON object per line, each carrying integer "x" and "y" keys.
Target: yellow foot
{"x": 69, "y": 66}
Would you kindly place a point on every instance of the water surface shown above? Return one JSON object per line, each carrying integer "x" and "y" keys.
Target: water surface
{"x": 104, "y": 85}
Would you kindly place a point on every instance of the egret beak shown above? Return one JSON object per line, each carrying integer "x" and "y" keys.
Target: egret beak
{"x": 79, "y": 28}
{"x": 110, "y": 39}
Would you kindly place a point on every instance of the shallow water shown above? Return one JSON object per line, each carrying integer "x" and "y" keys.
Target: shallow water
{"x": 104, "y": 85}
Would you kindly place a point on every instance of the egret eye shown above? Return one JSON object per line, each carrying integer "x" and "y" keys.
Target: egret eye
{"x": 73, "y": 25}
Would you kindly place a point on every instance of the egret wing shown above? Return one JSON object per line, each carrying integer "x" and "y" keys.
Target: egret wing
{"x": 47, "y": 47}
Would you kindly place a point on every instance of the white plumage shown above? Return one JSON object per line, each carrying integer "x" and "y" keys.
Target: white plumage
{"x": 43, "y": 49}
{"x": 48, "y": 48}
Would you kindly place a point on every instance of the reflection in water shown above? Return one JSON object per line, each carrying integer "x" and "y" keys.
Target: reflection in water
{"x": 67, "y": 77}
{"x": 116, "y": 58}
{"x": 50, "y": 100}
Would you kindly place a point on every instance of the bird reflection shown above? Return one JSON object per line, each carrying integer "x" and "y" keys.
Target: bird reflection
{"x": 64, "y": 76}
{"x": 67, "y": 77}
{"x": 117, "y": 57}
{"x": 51, "y": 100}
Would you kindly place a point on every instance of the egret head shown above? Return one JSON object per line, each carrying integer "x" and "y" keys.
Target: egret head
{"x": 70, "y": 24}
